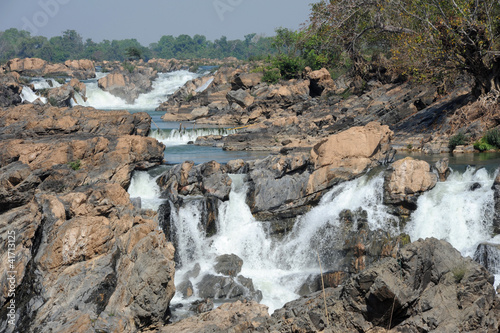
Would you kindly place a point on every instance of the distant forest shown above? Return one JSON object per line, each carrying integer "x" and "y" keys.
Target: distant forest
{"x": 19, "y": 43}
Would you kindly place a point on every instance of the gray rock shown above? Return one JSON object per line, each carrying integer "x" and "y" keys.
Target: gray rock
{"x": 496, "y": 197}
{"x": 228, "y": 264}
{"x": 240, "y": 97}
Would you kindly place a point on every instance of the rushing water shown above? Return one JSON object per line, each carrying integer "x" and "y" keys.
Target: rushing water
{"x": 459, "y": 210}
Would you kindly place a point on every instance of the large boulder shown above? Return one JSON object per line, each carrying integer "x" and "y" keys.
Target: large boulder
{"x": 246, "y": 80}
{"x": 240, "y": 97}
{"x": 496, "y": 197}
{"x": 79, "y": 69}
{"x": 61, "y": 96}
{"x": 406, "y": 180}
{"x": 348, "y": 154}
{"x": 429, "y": 286}
{"x": 320, "y": 82}
{"x": 128, "y": 85}
{"x": 10, "y": 89}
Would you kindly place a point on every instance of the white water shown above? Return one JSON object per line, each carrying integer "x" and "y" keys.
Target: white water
{"x": 451, "y": 211}
{"x": 164, "y": 86}
{"x": 183, "y": 136}
{"x": 28, "y": 95}
{"x": 41, "y": 83}
{"x": 144, "y": 186}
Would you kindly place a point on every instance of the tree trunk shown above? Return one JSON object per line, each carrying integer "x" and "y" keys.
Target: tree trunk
{"x": 487, "y": 80}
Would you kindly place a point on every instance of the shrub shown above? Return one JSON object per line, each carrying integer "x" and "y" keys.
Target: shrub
{"x": 482, "y": 145}
{"x": 52, "y": 101}
{"x": 290, "y": 67}
{"x": 271, "y": 75}
{"x": 459, "y": 272}
{"x": 457, "y": 140}
{"x": 492, "y": 137}
{"x": 128, "y": 66}
{"x": 75, "y": 165}
{"x": 189, "y": 97}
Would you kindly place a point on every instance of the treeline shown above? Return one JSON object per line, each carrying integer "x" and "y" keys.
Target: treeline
{"x": 19, "y": 43}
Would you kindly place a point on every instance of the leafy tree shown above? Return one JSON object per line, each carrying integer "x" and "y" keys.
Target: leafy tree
{"x": 430, "y": 36}
{"x": 134, "y": 53}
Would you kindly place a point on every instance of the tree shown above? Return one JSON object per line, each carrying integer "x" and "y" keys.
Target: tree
{"x": 425, "y": 35}
{"x": 134, "y": 53}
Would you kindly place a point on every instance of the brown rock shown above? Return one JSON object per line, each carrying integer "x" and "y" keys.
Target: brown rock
{"x": 406, "y": 180}
{"x": 321, "y": 82}
{"x": 235, "y": 317}
{"x": 348, "y": 154}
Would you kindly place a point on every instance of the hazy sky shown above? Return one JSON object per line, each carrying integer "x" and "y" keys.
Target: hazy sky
{"x": 148, "y": 20}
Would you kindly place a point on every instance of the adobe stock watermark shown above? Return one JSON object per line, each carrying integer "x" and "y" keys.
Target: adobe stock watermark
{"x": 49, "y": 9}
{"x": 223, "y": 6}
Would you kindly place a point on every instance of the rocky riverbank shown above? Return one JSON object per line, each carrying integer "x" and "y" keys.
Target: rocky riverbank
{"x": 88, "y": 259}
{"x": 85, "y": 258}
{"x": 302, "y": 112}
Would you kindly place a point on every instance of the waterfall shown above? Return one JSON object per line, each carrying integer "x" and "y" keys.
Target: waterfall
{"x": 164, "y": 86}
{"x": 28, "y": 95}
{"x": 456, "y": 212}
{"x": 183, "y": 136}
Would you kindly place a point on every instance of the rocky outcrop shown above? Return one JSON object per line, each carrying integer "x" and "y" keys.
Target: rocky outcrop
{"x": 405, "y": 181}
{"x": 238, "y": 317}
{"x": 61, "y": 96}
{"x": 427, "y": 287}
{"x": 280, "y": 187}
{"x": 128, "y": 85}
{"x": 79, "y": 69}
{"x": 85, "y": 258}
{"x": 496, "y": 198}
{"x": 10, "y": 89}
{"x": 321, "y": 82}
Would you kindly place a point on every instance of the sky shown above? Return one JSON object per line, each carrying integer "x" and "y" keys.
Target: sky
{"x": 148, "y": 20}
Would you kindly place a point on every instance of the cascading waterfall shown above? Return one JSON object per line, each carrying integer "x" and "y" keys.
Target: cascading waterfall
{"x": 28, "y": 95}
{"x": 277, "y": 268}
{"x": 184, "y": 136}
{"x": 165, "y": 85}
{"x": 452, "y": 211}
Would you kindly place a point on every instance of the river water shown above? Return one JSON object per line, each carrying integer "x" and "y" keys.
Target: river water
{"x": 452, "y": 211}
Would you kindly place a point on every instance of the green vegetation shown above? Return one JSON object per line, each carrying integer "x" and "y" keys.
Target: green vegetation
{"x": 52, "y": 101}
{"x": 75, "y": 165}
{"x": 458, "y": 139}
{"x": 271, "y": 75}
{"x": 459, "y": 272}
{"x": 128, "y": 66}
{"x": 18, "y": 43}
{"x": 490, "y": 140}
{"x": 189, "y": 97}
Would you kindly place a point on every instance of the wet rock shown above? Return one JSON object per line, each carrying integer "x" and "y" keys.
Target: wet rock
{"x": 317, "y": 282}
{"x": 406, "y": 180}
{"x": 128, "y": 85}
{"x": 488, "y": 255}
{"x": 496, "y": 198}
{"x": 227, "y": 288}
{"x": 442, "y": 168}
{"x": 237, "y": 317}
{"x": 202, "y": 306}
{"x": 61, "y": 96}
{"x": 428, "y": 287}
{"x": 228, "y": 264}
{"x": 186, "y": 289}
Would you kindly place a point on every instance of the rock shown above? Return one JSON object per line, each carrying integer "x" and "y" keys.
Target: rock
{"x": 406, "y": 180}
{"x": 428, "y": 287}
{"x": 442, "y": 168}
{"x": 320, "y": 82}
{"x": 200, "y": 112}
{"x": 237, "y": 317}
{"x": 91, "y": 257}
{"x": 488, "y": 255}
{"x": 246, "y": 81}
{"x": 496, "y": 198}
{"x": 348, "y": 154}
{"x": 186, "y": 289}
{"x": 317, "y": 282}
{"x": 227, "y": 288}
{"x": 79, "y": 87}
{"x": 80, "y": 69}
{"x": 228, "y": 264}
{"x": 10, "y": 89}
{"x": 128, "y": 85}
{"x": 61, "y": 96}
{"x": 202, "y": 306}
{"x": 240, "y": 97}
